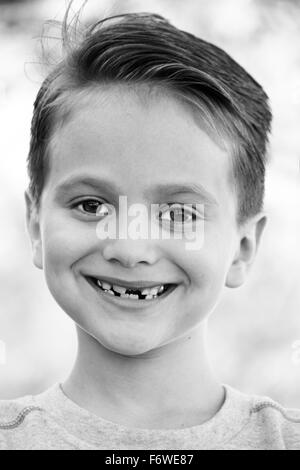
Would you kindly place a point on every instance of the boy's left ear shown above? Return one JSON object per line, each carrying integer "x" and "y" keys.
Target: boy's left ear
{"x": 250, "y": 235}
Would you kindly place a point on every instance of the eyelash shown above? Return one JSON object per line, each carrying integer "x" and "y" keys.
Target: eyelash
{"x": 78, "y": 203}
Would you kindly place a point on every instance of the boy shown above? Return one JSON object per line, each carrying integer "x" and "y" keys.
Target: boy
{"x": 141, "y": 110}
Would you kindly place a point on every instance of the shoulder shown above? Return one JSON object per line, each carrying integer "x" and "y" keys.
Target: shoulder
{"x": 277, "y": 421}
{"x": 261, "y": 423}
{"x": 15, "y": 416}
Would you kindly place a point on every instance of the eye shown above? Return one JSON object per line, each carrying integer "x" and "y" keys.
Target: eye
{"x": 92, "y": 207}
{"x": 179, "y": 213}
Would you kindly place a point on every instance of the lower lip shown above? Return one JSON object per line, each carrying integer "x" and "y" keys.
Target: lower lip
{"x": 126, "y": 301}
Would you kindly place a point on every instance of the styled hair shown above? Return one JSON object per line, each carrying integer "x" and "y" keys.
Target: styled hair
{"x": 145, "y": 49}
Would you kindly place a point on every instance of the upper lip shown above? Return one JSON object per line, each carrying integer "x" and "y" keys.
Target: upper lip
{"x": 129, "y": 284}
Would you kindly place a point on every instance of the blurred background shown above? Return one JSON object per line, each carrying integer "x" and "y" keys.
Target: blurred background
{"x": 254, "y": 337}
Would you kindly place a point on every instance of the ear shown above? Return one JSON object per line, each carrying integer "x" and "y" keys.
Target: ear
{"x": 33, "y": 228}
{"x": 248, "y": 241}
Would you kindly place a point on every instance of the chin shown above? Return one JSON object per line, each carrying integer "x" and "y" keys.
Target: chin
{"x": 126, "y": 346}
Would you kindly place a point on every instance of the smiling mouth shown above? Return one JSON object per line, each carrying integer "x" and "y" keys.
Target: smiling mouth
{"x": 134, "y": 294}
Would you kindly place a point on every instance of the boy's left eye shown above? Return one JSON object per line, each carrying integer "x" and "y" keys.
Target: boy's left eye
{"x": 178, "y": 213}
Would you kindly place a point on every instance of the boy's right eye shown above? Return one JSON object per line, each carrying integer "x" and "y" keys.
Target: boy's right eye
{"x": 92, "y": 207}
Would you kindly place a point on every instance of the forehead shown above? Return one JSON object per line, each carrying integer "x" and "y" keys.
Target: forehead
{"x": 147, "y": 135}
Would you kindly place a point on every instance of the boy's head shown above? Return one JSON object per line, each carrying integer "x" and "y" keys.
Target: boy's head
{"x": 143, "y": 107}
{"x": 146, "y": 49}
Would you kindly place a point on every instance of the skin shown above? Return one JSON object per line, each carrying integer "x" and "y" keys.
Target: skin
{"x": 144, "y": 368}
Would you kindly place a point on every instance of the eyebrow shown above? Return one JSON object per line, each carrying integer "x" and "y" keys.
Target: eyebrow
{"x": 195, "y": 189}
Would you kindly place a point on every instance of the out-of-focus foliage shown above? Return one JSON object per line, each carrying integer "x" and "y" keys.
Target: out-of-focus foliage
{"x": 253, "y": 330}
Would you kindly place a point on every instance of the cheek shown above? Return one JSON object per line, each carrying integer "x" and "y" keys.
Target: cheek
{"x": 207, "y": 267}
{"x": 218, "y": 248}
{"x": 206, "y": 272}
{"x": 65, "y": 242}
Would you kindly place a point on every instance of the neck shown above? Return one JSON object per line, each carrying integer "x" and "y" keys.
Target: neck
{"x": 171, "y": 386}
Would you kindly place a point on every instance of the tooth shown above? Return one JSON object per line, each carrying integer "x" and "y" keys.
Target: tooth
{"x": 146, "y": 291}
{"x": 119, "y": 289}
{"x": 110, "y": 292}
{"x": 106, "y": 285}
{"x": 161, "y": 289}
{"x": 133, "y": 296}
{"x": 154, "y": 290}
{"x": 149, "y": 297}
{"x": 99, "y": 283}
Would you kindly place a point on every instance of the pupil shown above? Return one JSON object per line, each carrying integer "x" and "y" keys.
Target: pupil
{"x": 91, "y": 205}
{"x": 177, "y": 219}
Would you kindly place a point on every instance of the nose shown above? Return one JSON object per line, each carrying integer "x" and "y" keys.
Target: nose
{"x": 130, "y": 252}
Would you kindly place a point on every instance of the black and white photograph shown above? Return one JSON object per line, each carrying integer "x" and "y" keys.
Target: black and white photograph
{"x": 150, "y": 227}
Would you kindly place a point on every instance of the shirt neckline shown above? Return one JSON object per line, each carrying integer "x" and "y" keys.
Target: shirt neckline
{"x": 88, "y": 427}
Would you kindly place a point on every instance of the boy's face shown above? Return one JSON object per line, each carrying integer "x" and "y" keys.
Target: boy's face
{"x": 134, "y": 147}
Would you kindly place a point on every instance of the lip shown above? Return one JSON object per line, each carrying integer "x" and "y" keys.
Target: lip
{"x": 131, "y": 284}
{"x": 127, "y": 302}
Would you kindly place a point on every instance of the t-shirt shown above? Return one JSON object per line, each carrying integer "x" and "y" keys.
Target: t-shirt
{"x": 51, "y": 421}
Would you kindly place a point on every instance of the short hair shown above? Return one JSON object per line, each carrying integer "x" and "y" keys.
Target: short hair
{"x": 145, "y": 48}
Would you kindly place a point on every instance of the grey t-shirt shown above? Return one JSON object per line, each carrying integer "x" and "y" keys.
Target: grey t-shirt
{"x": 51, "y": 421}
